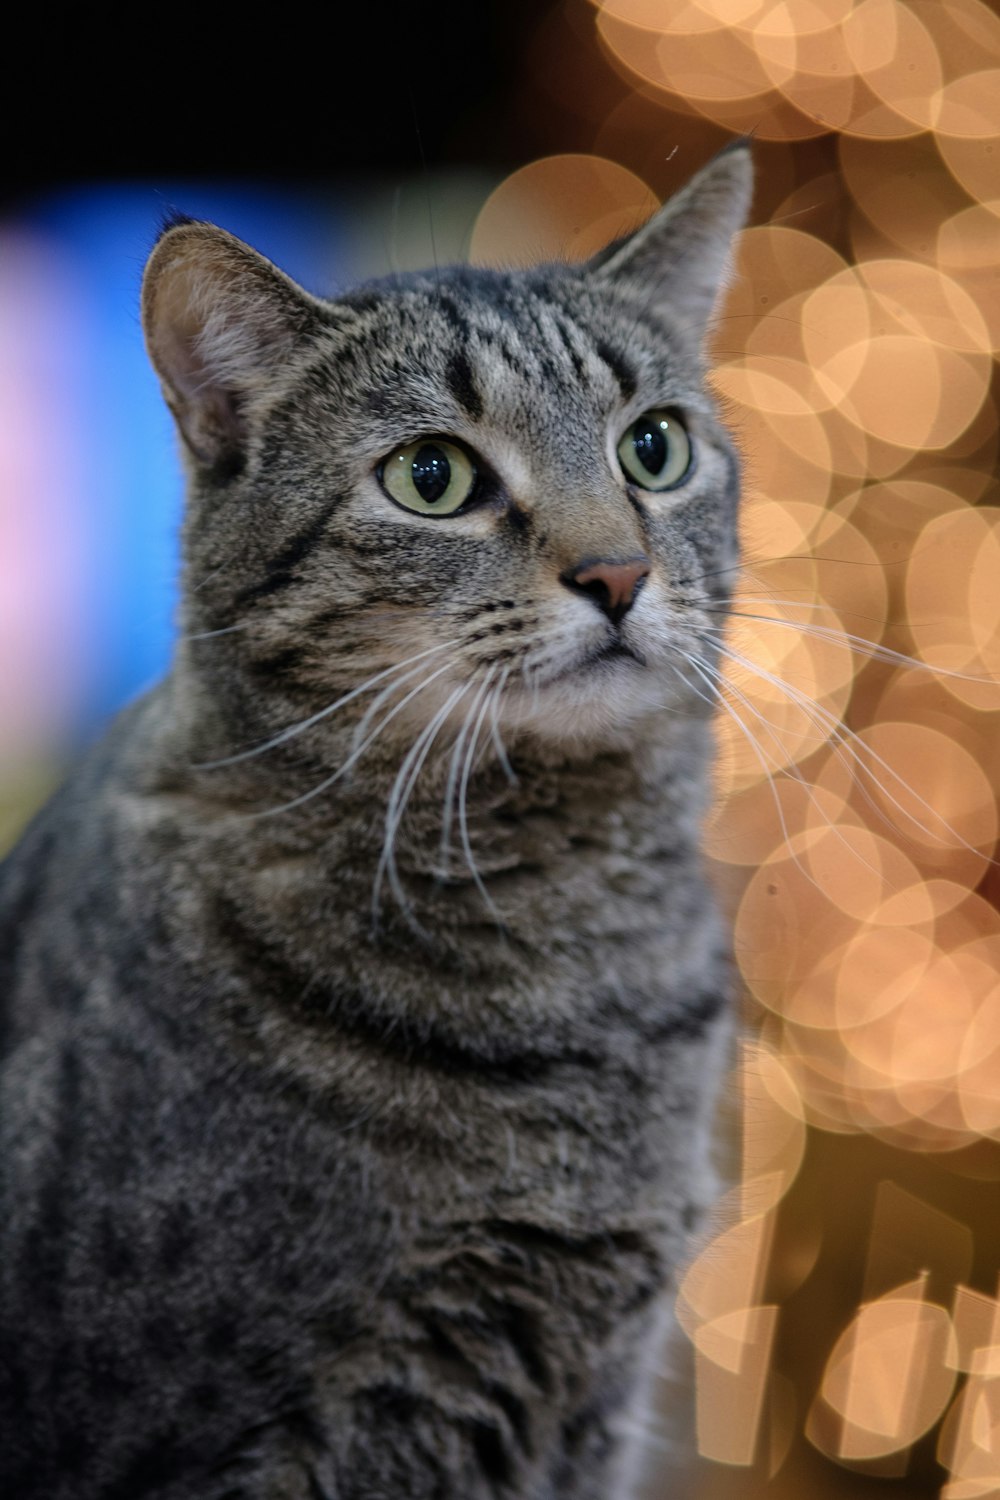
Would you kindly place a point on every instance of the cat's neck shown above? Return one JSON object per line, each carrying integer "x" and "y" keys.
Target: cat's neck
{"x": 384, "y": 820}
{"x": 448, "y": 813}
{"x": 575, "y": 876}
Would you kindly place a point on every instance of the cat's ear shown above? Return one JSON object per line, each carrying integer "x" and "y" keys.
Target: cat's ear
{"x": 219, "y": 321}
{"x": 681, "y": 256}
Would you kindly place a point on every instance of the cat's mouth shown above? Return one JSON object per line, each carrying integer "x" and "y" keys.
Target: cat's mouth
{"x": 612, "y": 651}
{"x": 592, "y": 694}
{"x": 615, "y": 651}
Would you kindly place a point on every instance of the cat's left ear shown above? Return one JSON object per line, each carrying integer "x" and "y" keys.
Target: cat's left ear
{"x": 681, "y": 256}
{"x": 220, "y": 322}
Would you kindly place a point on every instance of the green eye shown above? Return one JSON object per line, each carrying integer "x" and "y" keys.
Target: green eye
{"x": 656, "y": 450}
{"x": 432, "y": 476}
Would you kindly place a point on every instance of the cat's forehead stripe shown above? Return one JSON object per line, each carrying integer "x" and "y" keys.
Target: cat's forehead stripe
{"x": 462, "y": 384}
{"x": 531, "y": 327}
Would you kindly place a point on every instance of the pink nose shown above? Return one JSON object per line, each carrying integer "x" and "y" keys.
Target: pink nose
{"x": 612, "y": 585}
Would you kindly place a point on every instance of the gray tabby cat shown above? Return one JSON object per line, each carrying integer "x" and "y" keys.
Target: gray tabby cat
{"x": 362, "y": 997}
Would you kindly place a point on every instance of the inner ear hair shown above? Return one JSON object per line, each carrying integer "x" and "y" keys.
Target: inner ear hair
{"x": 219, "y": 321}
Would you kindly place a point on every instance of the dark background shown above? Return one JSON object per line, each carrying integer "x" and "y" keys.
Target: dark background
{"x": 326, "y": 101}
{"x": 283, "y": 94}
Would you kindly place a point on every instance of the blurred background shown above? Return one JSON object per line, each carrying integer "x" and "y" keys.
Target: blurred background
{"x": 842, "y": 1313}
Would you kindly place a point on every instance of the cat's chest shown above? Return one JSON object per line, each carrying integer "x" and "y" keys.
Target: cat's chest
{"x": 540, "y": 905}
{"x": 590, "y": 1137}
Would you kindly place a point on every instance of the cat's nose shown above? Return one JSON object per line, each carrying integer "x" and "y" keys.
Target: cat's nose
{"x": 612, "y": 585}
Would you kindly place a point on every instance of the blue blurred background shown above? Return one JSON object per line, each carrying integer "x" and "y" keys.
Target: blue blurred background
{"x": 115, "y": 594}
{"x": 328, "y": 159}
{"x": 341, "y": 159}
{"x": 103, "y": 566}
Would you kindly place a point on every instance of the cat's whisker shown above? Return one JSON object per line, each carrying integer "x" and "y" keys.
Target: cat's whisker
{"x": 841, "y": 736}
{"x": 356, "y": 754}
{"x": 716, "y": 684}
{"x": 782, "y": 766}
{"x": 463, "y": 821}
{"x": 399, "y": 796}
{"x": 197, "y": 587}
{"x": 324, "y": 713}
{"x": 766, "y": 596}
{"x": 821, "y": 735}
{"x": 348, "y": 612}
{"x": 848, "y": 641}
{"x": 382, "y": 697}
{"x": 809, "y": 601}
{"x": 850, "y": 763}
{"x": 498, "y": 743}
{"x": 453, "y": 776}
{"x": 747, "y": 565}
{"x": 206, "y": 635}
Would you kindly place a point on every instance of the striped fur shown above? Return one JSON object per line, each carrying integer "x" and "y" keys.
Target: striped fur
{"x": 361, "y": 996}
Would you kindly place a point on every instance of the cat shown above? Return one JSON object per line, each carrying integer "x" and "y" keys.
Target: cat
{"x": 363, "y": 997}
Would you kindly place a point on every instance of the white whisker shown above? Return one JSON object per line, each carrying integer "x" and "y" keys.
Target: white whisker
{"x": 848, "y": 641}
{"x": 783, "y": 765}
{"x": 381, "y": 697}
{"x": 717, "y": 698}
{"x": 402, "y": 789}
{"x": 839, "y": 734}
{"x": 356, "y": 753}
{"x": 498, "y": 743}
{"x": 205, "y": 635}
{"x": 323, "y": 713}
{"x": 463, "y": 822}
{"x": 453, "y": 774}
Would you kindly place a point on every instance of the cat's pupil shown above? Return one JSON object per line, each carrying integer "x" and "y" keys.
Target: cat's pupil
{"x": 431, "y": 473}
{"x": 650, "y": 446}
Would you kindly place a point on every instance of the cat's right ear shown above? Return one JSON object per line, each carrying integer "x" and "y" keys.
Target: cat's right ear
{"x": 219, "y": 320}
{"x": 682, "y": 255}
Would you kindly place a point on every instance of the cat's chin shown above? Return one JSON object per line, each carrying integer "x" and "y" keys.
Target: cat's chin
{"x": 600, "y": 704}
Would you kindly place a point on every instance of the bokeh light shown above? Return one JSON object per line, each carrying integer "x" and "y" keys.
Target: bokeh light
{"x": 855, "y": 820}
{"x": 836, "y": 1318}
{"x": 561, "y": 207}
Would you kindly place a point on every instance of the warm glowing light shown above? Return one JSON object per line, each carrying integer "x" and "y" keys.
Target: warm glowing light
{"x": 896, "y": 56}
{"x": 979, "y": 1067}
{"x": 922, "y": 195}
{"x": 908, "y": 1235}
{"x": 774, "y": 261}
{"x": 968, "y": 246}
{"x": 976, "y": 1319}
{"x": 969, "y": 107}
{"x": 708, "y": 63}
{"x": 560, "y": 206}
{"x": 922, "y": 300}
{"x": 774, "y": 1132}
{"x": 969, "y": 1445}
{"x": 732, "y": 1360}
{"x": 890, "y": 1376}
{"x": 953, "y": 603}
{"x": 727, "y": 1275}
{"x": 811, "y": 68}
{"x": 786, "y": 929}
{"x": 972, "y": 161}
{"x": 969, "y": 1442}
{"x": 933, "y": 790}
{"x": 855, "y": 817}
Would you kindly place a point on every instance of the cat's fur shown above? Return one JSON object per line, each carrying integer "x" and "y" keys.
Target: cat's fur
{"x": 316, "y": 1182}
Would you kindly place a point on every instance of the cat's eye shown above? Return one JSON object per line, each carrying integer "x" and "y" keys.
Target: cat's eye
{"x": 432, "y": 476}
{"x": 655, "y": 451}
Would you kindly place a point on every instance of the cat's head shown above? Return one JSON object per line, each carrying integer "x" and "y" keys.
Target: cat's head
{"x": 494, "y": 496}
